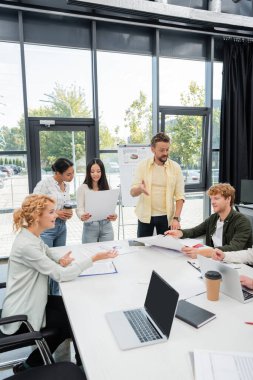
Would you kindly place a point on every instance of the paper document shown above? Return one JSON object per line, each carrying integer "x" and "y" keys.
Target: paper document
{"x": 168, "y": 242}
{"x": 122, "y": 248}
{"x": 188, "y": 288}
{"x": 101, "y": 204}
{"x": 102, "y": 267}
{"x": 218, "y": 365}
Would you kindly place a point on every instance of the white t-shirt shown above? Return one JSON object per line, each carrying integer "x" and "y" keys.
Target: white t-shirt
{"x": 49, "y": 186}
{"x": 217, "y": 236}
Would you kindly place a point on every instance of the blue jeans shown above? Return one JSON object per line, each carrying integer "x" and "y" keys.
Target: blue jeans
{"x": 97, "y": 231}
{"x": 147, "y": 229}
{"x": 55, "y": 237}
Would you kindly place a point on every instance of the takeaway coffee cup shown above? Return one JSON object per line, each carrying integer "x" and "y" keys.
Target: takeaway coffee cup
{"x": 213, "y": 280}
{"x": 67, "y": 206}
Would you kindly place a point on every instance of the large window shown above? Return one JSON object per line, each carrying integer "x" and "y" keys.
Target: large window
{"x": 12, "y": 135}
{"x": 188, "y": 130}
{"x": 13, "y": 166}
{"x": 58, "y": 81}
{"x": 13, "y": 180}
{"x": 217, "y": 88}
{"x": 125, "y": 96}
{"x": 186, "y": 133}
{"x": 182, "y": 82}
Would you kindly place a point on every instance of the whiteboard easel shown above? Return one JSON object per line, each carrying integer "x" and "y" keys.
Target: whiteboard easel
{"x": 129, "y": 157}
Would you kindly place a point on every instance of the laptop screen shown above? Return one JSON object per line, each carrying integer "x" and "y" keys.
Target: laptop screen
{"x": 247, "y": 191}
{"x": 161, "y": 302}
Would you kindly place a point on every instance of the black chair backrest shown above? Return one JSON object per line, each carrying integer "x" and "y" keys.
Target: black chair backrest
{"x": 57, "y": 371}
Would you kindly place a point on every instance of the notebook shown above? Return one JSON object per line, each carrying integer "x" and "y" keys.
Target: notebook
{"x": 192, "y": 314}
{"x": 150, "y": 324}
{"x": 230, "y": 284}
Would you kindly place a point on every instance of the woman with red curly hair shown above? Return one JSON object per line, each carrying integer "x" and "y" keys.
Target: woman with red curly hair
{"x": 31, "y": 263}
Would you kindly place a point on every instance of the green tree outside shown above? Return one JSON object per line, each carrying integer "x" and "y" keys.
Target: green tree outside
{"x": 138, "y": 119}
{"x": 186, "y": 131}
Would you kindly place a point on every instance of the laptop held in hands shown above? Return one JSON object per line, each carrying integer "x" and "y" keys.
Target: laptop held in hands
{"x": 150, "y": 324}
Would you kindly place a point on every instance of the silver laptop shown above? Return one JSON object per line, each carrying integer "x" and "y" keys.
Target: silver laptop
{"x": 230, "y": 284}
{"x": 150, "y": 324}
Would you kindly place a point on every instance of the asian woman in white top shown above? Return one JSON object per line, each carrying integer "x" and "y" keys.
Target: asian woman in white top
{"x": 95, "y": 180}
{"x": 57, "y": 186}
{"x": 31, "y": 262}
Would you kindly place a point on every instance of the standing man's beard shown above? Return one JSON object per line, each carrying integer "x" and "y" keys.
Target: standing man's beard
{"x": 163, "y": 159}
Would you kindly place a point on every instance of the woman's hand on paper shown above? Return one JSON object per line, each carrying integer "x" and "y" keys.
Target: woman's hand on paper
{"x": 174, "y": 233}
{"x": 86, "y": 216}
{"x": 66, "y": 259}
{"x": 105, "y": 255}
{"x": 112, "y": 217}
{"x": 191, "y": 252}
{"x": 218, "y": 255}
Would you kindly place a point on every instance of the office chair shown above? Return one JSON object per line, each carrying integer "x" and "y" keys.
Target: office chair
{"x": 20, "y": 340}
{"x": 50, "y": 370}
{"x": 247, "y": 212}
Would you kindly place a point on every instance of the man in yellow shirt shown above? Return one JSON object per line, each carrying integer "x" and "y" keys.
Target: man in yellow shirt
{"x": 159, "y": 183}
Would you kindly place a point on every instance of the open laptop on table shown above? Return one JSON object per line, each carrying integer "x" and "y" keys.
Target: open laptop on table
{"x": 150, "y": 324}
{"x": 230, "y": 284}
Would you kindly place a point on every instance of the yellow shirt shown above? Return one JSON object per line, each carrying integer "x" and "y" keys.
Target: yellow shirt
{"x": 158, "y": 190}
{"x": 174, "y": 188}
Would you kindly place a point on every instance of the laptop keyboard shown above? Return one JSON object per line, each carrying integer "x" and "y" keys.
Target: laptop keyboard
{"x": 141, "y": 325}
{"x": 246, "y": 295}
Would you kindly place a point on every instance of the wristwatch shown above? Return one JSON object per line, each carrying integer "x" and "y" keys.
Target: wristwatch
{"x": 177, "y": 218}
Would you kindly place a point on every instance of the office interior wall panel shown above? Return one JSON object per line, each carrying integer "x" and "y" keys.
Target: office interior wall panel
{"x": 124, "y": 38}
{"x": 9, "y": 25}
{"x": 56, "y": 30}
{"x": 182, "y": 45}
{"x": 242, "y": 7}
{"x": 197, "y": 4}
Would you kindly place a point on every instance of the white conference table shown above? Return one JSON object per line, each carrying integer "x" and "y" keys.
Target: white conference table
{"x": 87, "y": 299}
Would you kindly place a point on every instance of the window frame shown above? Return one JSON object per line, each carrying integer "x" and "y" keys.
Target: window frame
{"x": 204, "y": 112}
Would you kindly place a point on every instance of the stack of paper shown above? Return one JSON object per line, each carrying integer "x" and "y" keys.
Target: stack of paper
{"x": 166, "y": 241}
{"x": 101, "y": 267}
{"x": 218, "y": 365}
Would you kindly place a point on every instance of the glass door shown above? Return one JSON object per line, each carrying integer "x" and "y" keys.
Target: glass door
{"x": 51, "y": 139}
{"x": 188, "y": 130}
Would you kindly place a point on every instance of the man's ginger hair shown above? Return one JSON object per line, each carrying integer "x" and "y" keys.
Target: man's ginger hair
{"x": 224, "y": 189}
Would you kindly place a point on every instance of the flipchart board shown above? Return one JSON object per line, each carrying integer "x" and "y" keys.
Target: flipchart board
{"x": 129, "y": 157}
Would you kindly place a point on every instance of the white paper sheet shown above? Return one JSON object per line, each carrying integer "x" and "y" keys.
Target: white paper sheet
{"x": 168, "y": 242}
{"x": 100, "y": 204}
{"x": 189, "y": 288}
{"x": 101, "y": 267}
{"x": 218, "y": 365}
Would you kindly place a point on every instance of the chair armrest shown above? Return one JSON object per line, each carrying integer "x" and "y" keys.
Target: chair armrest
{"x": 14, "y": 340}
{"x": 12, "y": 319}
